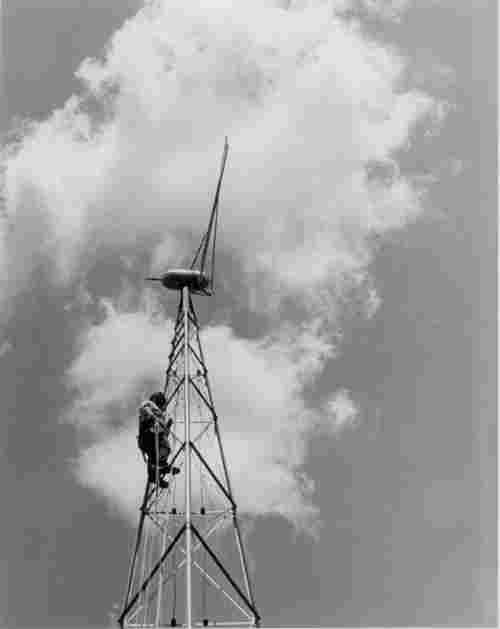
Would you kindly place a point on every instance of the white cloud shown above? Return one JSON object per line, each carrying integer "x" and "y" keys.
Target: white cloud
{"x": 306, "y": 100}
{"x": 167, "y": 254}
{"x": 258, "y": 387}
{"x": 263, "y": 485}
{"x": 119, "y": 358}
{"x": 309, "y": 104}
{"x": 113, "y": 467}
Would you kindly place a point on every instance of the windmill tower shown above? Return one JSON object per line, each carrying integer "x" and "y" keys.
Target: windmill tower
{"x": 188, "y": 565}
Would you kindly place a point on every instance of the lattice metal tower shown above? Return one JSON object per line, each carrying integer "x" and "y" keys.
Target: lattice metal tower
{"x": 188, "y": 566}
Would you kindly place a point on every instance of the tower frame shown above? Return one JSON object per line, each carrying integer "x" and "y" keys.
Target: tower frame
{"x": 145, "y": 591}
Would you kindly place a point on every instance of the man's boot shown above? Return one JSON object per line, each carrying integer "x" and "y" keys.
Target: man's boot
{"x": 169, "y": 469}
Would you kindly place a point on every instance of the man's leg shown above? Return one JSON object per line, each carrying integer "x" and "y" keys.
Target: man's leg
{"x": 152, "y": 476}
{"x": 166, "y": 468}
{"x": 164, "y": 464}
{"x": 156, "y": 472}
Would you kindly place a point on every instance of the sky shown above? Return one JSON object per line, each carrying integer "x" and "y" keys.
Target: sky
{"x": 351, "y": 340}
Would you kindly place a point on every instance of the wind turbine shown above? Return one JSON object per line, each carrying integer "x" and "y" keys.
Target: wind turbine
{"x": 191, "y": 527}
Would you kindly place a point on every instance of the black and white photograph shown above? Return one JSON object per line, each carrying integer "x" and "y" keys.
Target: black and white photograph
{"x": 248, "y": 313}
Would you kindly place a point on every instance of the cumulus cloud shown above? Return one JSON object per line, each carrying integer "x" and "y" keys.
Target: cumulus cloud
{"x": 125, "y": 169}
{"x": 306, "y": 100}
{"x": 258, "y": 388}
{"x": 118, "y": 357}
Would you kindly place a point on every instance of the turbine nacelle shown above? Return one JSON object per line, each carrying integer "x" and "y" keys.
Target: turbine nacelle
{"x": 177, "y": 279}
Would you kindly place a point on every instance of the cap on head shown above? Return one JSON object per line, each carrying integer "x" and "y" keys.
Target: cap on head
{"x": 159, "y": 399}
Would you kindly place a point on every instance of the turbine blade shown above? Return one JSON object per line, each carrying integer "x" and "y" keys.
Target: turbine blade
{"x": 210, "y": 234}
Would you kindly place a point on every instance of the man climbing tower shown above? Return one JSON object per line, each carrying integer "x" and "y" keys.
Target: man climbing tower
{"x": 153, "y": 438}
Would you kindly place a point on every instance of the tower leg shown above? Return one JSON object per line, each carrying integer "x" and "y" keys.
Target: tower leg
{"x": 133, "y": 559}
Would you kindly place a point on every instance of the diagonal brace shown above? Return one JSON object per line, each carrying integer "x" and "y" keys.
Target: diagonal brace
{"x": 214, "y": 477}
{"x": 226, "y": 574}
{"x": 151, "y": 576}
